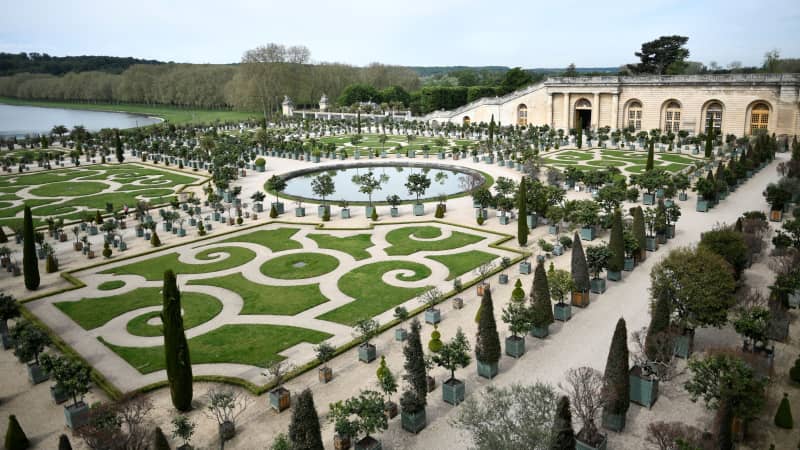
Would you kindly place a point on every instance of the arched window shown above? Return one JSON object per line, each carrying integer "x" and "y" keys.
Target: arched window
{"x": 465, "y": 121}
{"x": 759, "y": 117}
{"x": 583, "y": 104}
{"x": 522, "y": 115}
{"x": 714, "y": 118}
{"x": 672, "y": 117}
{"x": 635, "y": 115}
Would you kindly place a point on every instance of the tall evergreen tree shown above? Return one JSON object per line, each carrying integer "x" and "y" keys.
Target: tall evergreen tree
{"x": 304, "y": 430}
{"x": 616, "y": 384}
{"x": 659, "y": 325}
{"x": 491, "y": 130}
{"x": 118, "y": 149}
{"x": 579, "y": 133}
{"x": 639, "y": 232}
{"x": 15, "y": 437}
{"x": 650, "y": 157}
{"x": 416, "y": 374}
{"x": 64, "y": 444}
{"x": 30, "y": 264}
{"x": 580, "y": 271}
{"x": 616, "y": 244}
{"x": 176, "y": 349}
{"x": 563, "y": 433}
{"x": 487, "y": 343}
{"x": 541, "y": 308}
{"x": 159, "y": 440}
{"x": 709, "y": 142}
{"x": 522, "y": 221}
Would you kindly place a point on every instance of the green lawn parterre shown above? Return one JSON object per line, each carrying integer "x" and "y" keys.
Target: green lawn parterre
{"x": 402, "y": 243}
{"x": 355, "y": 246}
{"x": 298, "y": 266}
{"x": 630, "y": 162}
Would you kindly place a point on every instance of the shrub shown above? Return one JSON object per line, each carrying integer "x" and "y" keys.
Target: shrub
{"x": 201, "y": 229}
{"x": 480, "y": 219}
{"x": 239, "y": 220}
{"x": 487, "y": 343}
{"x": 435, "y": 344}
{"x": 15, "y": 437}
{"x": 439, "y": 214}
{"x": 326, "y": 216}
{"x": 794, "y": 372}
{"x": 154, "y": 240}
{"x": 374, "y": 215}
{"x": 273, "y": 212}
{"x": 783, "y": 418}
{"x": 106, "y": 250}
{"x": 565, "y": 242}
{"x": 304, "y": 429}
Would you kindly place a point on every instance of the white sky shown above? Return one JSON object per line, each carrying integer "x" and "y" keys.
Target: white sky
{"x": 531, "y": 33}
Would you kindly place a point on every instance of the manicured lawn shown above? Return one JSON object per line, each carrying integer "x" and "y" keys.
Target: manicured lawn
{"x": 153, "y": 268}
{"x": 373, "y": 296}
{"x": 111, "y": 285}
{"x": 262, "y": 299}
{"x": 298, "y": 266}
{"x": 198, "y": 308}
{"x": 356, "y": 246}
{"x": 276, "y": 240}
{"x": 461, "y": 263}
{"x": 69, "y": 189}
{"x": 241, "y": 344}
{"x": 402, "y": 244}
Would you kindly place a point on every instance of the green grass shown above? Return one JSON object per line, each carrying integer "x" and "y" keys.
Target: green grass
{"x": 402, "y": 244}
{"x": 262, "y": 299}
{"x": 355, "y": 246}
{"x": 153, "y": 269}
{"x": 461, "y": 263}
{"x": 239, "y": 344}
{"x": 111, "y": 285}
{"x": 171, "y": 114}
{"x": 373, "y": 296}
{"x": 69, "y": 189}
{"x": 298, "y": 266}
{"x": 198, "y": 309}
{"x": 276, "y": 240}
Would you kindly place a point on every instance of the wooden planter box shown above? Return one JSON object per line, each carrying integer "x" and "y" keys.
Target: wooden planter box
{"x": 598, "y": 285}
{"x": 433, "y": 316}
{"x": 629, "y": 264}
{"x": 525, "y": 268}
{"x": 453, "y": 391}
{"x": 369, "y": 443}
{"x": 580, "y": 299}
{"x": 580, "y": 445}
{"x": 400, "y": 334}
{"x": 280, "y": 399}
{"x": 540, "y": 332}
{"x": 390, "y": 410}
{"x": 413, "y": 422}
{"x": 37, "y": 374}
{"x": 613, "y": 275}
{"x": 341, "y": 442}
{"x": 587, "y": 233}
{"x": 58, "y": 394}
{"x": 684, "y": 344}
{"x": 562, "y": 311}
{"x": 613, "y": 422}
{"x": 775, "y": 216}
{"x": 481, "y": 287}
{"x": 487, "y": 370}
{"x": 76, "y": 416}
{"x": 650, "y": 243}
{"x": 367, "y": 353}
{"x": 419, "y": 209}
{"x": 325, "y": 374}
{"x": 515, "y": 346}
{"x": 643, "y": 389}
{"x": 430, "y": 383}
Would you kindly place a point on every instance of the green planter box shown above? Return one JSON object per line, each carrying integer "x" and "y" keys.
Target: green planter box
{"x": 394, "y": 212}
{"x": 684, "y": 344}
{"x": 540, "y": 332}
{"x": 453, "y": 391}
{"x": 525, "y": 267}
{"x": 367, "y": 353}
{"x": 344, "y": 213}
{"x": 629, "y": 264}
{"x": 587, "y": 233}
{"x": 76, "y": 416}
{"x": 419, "y": 209}
{"x": 515, "y": 346}
{"x": 533, "y": 221}
{"x": 562, "y": 311}
{"x": 614, "y": 422}
{"x": 400, "y": 334}
{"x": 300, "y": 212}
{"x": 503, "y": 278}
{"x": 683, "y": 196}
{"x": 413, "y": 422}
{"x": 651, "y": 244}
{"x": 552, "y": 229}
{"x": 433, "y": 316}
{"x": 504, "y": 220}
{"x": 368, "y": 210}
{"x": 37, "y": 374}
{"x": 613, "y": 275}
{"x": 579, "y": 445}
{"x": 702, "y": 206}
{"x": 598, "y": 285}
{"x": 487, "y": 370}
{"x": 321, "y": 210}
{"x": 643, "y": 390}
{"x": 648, "y": 199}
{"x": 670, "y": 231}
{"x": 58, "y": 394}
{"x": 278, "y": 207}
{"x": 558, "y": 250}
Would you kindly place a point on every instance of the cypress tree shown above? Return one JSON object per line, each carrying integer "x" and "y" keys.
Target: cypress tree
{"x": 522, "y": 221}
{"x": 159, "y": 440}
{"x": 30, "y": 265}
{"x": 15, "y": 437}
{"x": 542, "y": 309}
{"x": 579, "y": 133}
{"x": 783, "y": 418}
{"x": 650, "y": 157}
{"x": 639, "y": 232}
{"x": 580, "y": 271}
{"x": 487, "y": 343}
{"x": 304, "y": 430}
{"x": 616, "y": 244}
{"x": 563, "y": 433}
{"x": 63, "y": 443}
{"x": 659, "y": 324}
{"x": 118, "y": 147}
{"x": 176, "y": 349}
{"x": 415, "y": 375}
{"x": 491, "y": 130}
{"x": 616, "y": 384}
{"x": 709, "y": 142}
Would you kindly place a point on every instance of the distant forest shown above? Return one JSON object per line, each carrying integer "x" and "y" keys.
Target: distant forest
{"x": 11, "y": 63}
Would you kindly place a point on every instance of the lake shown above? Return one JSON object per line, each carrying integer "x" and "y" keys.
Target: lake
{"x": 22, "y": 120}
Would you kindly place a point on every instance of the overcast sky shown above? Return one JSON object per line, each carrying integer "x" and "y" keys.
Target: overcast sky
{"x": 529, "y": 33}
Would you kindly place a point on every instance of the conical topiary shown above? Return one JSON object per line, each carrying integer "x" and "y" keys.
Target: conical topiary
{"x": 522, "y": 206}
{"x": 304, "y": 430}
{"x": 580, "y": 271}
{"x": 541, "y": 307}
{"x": 616, "y": 244}
{"x": 176, "y": 349}
{"x": 563, "y": 433}
{"x": 154, "y": 239}
{"x": 159, "y": 440}
{"x": 794, "y": 372}
{"x": 30, "y": 264}
{"x": 783, "y": 418}
{"x": 63, "y": 443}
{"x": 435, "y": 344}
{"x": 639, "y": 232}
{"x": 518, "y": 294}
{"x": 273, "y": 212}
{"x": 416, "y": 372}
{"x": 487, "y": 343}
{"x": 15, "y": 437}
{"x": 659, "y": 325}
{"x": 616, "y": 384}
{"x": 650, "y": 156}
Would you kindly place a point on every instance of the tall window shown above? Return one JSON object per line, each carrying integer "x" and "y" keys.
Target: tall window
{"x": 714, "y": 118}
{"x": 759, "y": 118}
{"x": 672, "y": 118}
{"x": 522, "y": 115}
{"x": 635, "y": 116}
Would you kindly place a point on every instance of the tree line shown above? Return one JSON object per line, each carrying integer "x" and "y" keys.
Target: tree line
{"x": 11, "y": 63}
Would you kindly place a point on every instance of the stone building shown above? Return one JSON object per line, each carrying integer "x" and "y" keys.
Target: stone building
{"x": 736, "y": 104}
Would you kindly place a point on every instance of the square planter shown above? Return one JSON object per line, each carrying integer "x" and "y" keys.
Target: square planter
{"x": 580, "y": 299}
{"x": 390, "y": 410}
{"x": 540, "y": 332}
{"x": 702, "y": 206}
{"x": 487, "y": 370}
{"x": 433, "y": 316}
{"x": 258, "y": 207}
{"x": 278, "y": 207}
{"x": 367, "y": 353}
{"x": 76, "y": 416}
{"x": 419, "y": 209}
{"x": 453, "y": 391}
{"x": 558, "y": 250}
{"x": 587, "y": 233}
{"x": 413, "y": 422}
{"x": 481, "y": 287}
{"x": 533, "y": 220}
{"x": 344, "y": 213}
{"x": 458, "y": 303}
{"x": 628, "y": 264}
{"x": 368, "y": 211}
{"x": 503, "y": 278}
{"x": 650, "y": 244}
{"x": 37, "y": 374}
{"x": 394, "y": 212}
{"x": 504, "y": 220}
{"x": 525, "y": 268}
{"x": 613, "y": 422}
{"x": 648, "y": 199}
{"x": 670, "y": 231}
{"x": 562, "y": 311}
{"x": 321, "y": 210}
{"x": 683, "y": 196}
{"x": 684, "y": 344}
{"x": 368, "y": 443}
{"x": 58, "y": 394}
{"x": 598, "y": 285}
{"x": 325, "y": 374}
{"x": 775, "y": 215}
{"x": 613, "y": 275}
{"x": 280, "y": 399}
{"x": 400, "y": 334}
{"x": 643, "y": 389}
{"x": 552, "y": 229}
{"x": 300, "y": 212}
{"x": 515, "y": 346}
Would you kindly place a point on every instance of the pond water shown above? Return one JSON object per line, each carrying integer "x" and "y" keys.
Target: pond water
{"x": 23, "y": 120}
{"x": 394, "y": 178}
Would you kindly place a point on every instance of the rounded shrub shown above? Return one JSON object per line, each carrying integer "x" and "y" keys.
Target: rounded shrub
{"x": 435, "y": 344}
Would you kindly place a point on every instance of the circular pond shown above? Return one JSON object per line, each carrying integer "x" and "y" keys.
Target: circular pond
{"x": 444, "y": 180}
